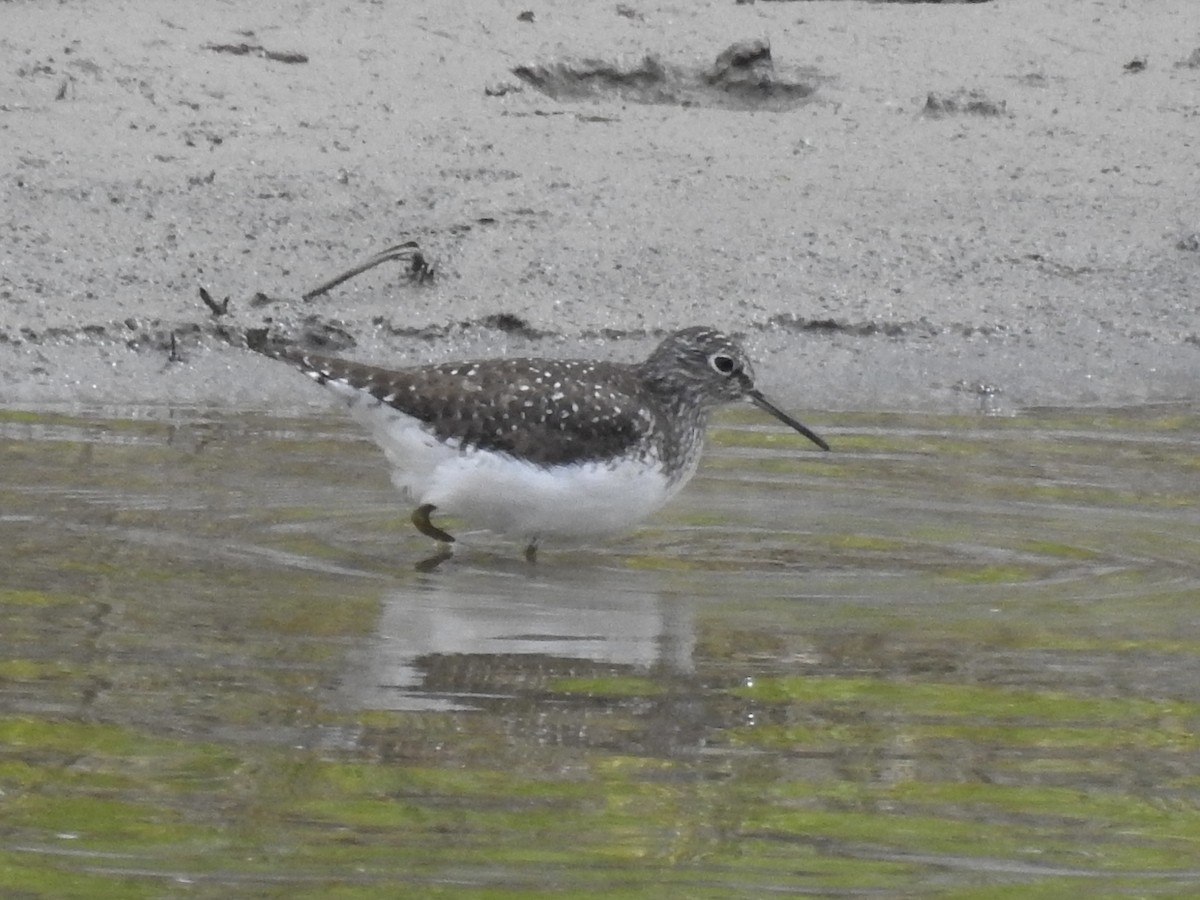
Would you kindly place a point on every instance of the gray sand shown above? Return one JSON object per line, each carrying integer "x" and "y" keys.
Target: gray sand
{"x": 1029, "y": 238}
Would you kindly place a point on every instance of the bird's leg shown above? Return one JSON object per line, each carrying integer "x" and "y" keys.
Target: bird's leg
{"x": 531, "y": 552}
{"x": 420, "y": 518}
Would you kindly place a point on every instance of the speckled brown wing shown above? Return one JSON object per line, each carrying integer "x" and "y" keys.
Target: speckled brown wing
{"x": 548, "y": 412}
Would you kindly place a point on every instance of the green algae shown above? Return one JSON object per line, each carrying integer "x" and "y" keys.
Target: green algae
{"x": 622, "y": 686}
{"x": 936, "y": 662}
{"x": 941, "y": 699}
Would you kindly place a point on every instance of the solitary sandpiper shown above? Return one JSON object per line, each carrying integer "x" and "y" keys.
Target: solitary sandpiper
{"x": 545, "y": 448}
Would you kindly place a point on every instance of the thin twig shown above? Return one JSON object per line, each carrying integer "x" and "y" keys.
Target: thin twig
{"x": 218, "y": 309}
{"x": 419, "y": 269}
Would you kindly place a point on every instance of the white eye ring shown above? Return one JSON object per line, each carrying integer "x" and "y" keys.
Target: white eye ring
{"x": 722, "y": 363}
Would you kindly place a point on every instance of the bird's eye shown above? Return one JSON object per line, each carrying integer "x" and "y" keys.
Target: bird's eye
{"x": 722, "y": 363}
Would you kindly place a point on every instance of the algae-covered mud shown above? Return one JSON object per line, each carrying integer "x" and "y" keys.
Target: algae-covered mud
{"x": 956, "y": 657}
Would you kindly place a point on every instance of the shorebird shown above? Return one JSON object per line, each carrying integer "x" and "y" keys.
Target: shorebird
{"x": 544, "y": 448}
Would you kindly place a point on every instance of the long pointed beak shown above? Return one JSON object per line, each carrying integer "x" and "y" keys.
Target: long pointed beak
{"x": 767, "y": 406}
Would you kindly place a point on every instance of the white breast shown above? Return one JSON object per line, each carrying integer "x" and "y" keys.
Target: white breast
{"x": 507, "y": 495}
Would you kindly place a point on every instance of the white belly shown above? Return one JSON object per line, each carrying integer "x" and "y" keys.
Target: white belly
{"x": 509, "y": 496}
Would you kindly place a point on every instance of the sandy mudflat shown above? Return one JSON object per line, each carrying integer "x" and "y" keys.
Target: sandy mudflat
{"x": 1032, "y": 239}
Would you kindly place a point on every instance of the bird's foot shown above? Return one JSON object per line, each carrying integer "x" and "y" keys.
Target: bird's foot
{"x": 420, "y": 518}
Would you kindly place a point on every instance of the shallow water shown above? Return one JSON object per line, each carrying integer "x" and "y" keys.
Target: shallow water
{"x": 958, "y": 656}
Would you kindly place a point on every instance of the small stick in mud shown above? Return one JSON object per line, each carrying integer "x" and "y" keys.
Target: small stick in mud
{"x": 419, "y": 268}
{"x": 218, "y": 309}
